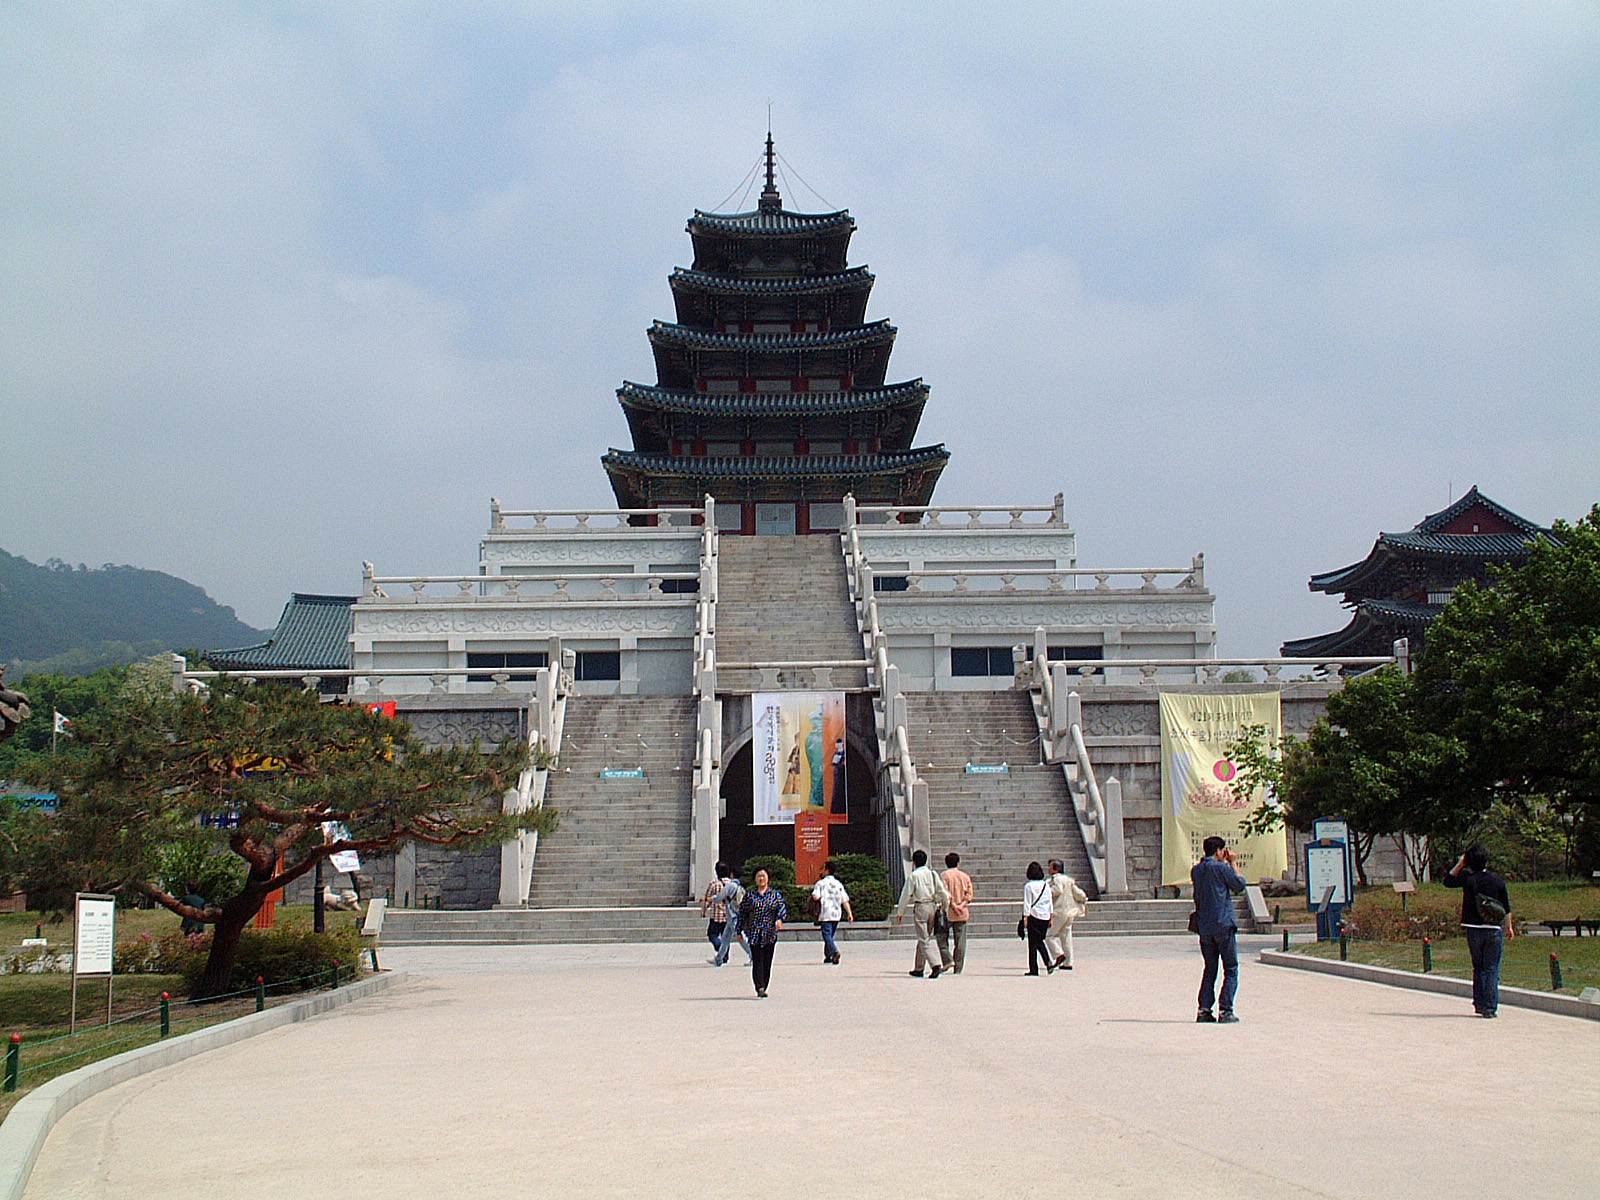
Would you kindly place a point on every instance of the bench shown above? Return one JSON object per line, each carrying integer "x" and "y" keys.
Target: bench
{"x": 1578, "y": 925}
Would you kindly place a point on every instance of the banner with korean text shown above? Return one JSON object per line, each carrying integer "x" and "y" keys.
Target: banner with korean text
{"x": 1196, "y": 801}
{"x": 798, "y": 747}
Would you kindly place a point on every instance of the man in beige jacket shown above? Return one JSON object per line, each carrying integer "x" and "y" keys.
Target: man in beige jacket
{"x": 923, "y": 895}
{"x": 1070, "y": 903}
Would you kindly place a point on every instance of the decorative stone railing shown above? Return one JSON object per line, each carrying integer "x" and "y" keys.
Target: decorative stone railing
{"x": 523, "y": 588}
{"x": 603, "y": 520}
{"x": 548, "y": 720}
{"x": 1034, "y": 581}
{"x": 908, "y": 795}
{"x": 520, "y": 681}
{"x": 706, "y": 813}
{"x": 975, "y": 516}
{"x": 1210, "y": 670}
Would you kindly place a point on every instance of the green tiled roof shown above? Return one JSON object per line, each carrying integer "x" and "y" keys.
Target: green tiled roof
{"x": 771, "y": 404}
{"x": 667, "y": 333}
{"x": 1373, "y": 627}
{"x": 787, "y": 466}
{"x": 772, "y": 224}
{"x": 688, "y": 279}
{"x": 313, "y": 634}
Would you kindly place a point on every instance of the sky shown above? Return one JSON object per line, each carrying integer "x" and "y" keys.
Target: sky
{"x": 288, "y": 287}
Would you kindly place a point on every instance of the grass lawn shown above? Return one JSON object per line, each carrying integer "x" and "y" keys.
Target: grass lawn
{"x": 1526, "y": 963}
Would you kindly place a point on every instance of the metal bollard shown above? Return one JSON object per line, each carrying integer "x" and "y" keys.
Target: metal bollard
{"x": 333, "y": 978}
{"x": 261, "y": 993}
{"x": 1427, "y": 955}
{"x": 1555, "y": 973}
{"x": 373, "y": 951}
{"x": 13, "y": 1062}
{"x": 166, "y": 1015}
{"x": 1344, "y": 945}
{"x": 1286, "y": 940}
{"x": 1277, "y": 914}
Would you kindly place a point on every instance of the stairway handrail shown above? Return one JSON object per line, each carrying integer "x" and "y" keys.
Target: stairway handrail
{"x": 900, "y": 774}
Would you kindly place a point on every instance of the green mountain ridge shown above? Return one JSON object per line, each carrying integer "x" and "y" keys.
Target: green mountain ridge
{"x": 73, "y": 619}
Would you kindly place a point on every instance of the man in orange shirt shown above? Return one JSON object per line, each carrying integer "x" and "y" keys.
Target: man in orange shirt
{"x": 958, "y": 884}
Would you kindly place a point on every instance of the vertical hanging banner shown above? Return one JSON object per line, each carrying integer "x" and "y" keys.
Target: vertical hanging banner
{"x": 795, "y": 740}
{"x": 1196, "y": 801}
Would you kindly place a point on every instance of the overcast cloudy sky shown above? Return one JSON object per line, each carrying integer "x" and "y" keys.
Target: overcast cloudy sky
{"x": 289, "y": 286}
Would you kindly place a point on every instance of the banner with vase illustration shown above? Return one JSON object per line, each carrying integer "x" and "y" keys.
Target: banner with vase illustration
{"x": 797, "y": 744}
{"x": 1196, "y": 801}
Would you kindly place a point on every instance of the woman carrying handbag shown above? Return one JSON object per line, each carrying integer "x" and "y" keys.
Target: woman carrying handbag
{"x": 1036, "y": 911}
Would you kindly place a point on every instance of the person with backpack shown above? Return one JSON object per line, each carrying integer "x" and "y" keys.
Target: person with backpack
{"x": 1486, "y": 921}
{"x": 732, "y": 895}
{"x": 1067, "y": 903}
{"x": 715, "y": 910}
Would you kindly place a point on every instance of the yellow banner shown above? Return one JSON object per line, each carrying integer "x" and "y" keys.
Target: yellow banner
{"x": 1195, "y": 773}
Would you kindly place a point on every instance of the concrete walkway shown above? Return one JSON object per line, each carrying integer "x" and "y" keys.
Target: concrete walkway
{"x": 596, "y": 1071}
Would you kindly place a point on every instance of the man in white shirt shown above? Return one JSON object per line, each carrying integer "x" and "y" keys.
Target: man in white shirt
{"x": 832, "y": 901}
{"x": 923, "y": 895}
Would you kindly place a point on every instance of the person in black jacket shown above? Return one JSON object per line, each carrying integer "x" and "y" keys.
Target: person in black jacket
{"x": 1486, "y": 920}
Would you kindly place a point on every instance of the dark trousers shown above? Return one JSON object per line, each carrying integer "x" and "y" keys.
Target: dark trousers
{"x": 761, "y": 963}
{"x": 829, "y": 928}
{"x": 1224, "y": 948}
{"x": 714, "y": 933}
{"x": 1037, "y": 928}
{"x": 1486, "y": 947}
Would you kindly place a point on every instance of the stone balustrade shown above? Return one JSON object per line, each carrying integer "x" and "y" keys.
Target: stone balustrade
{"x": 527, "y": 587}
{"x": 603, "y": 520}
{"x": 1047, "y": 580}
{"x": 973, "y": 516}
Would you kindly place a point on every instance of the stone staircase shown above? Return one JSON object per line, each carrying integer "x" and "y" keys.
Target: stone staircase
{"x": 998, "y": 823}
{"x": 622, "y": 842}
{"x": 785, "y": 599}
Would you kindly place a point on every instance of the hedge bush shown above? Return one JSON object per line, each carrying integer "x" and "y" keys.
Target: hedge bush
{"x": 172, "y": 953}
{"x": 287, "y": 959}
{"x": 864, "y": 877}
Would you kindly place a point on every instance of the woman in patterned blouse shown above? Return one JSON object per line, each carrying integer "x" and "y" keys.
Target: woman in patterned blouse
{"x": 761, "y": 919}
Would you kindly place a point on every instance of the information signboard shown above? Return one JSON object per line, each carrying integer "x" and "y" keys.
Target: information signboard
{"x": 94, "y": 940}
{"x": 1325, "y": 868}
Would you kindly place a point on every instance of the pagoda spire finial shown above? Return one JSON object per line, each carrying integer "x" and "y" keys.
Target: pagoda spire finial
{"x": 770, "y": 200}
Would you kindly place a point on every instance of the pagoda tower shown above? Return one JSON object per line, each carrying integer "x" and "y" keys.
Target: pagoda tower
{"x": 770, "y": 391}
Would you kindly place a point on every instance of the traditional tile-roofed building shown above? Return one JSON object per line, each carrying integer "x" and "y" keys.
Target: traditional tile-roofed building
{"x": 770, "y": 391}
{"x": 313, "y": 634}
{"x": 1407, "y": 578}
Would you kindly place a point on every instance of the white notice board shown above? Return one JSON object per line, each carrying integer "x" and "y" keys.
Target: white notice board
{"x": 94, "y": 941}
{"x": 1325, "y": 869}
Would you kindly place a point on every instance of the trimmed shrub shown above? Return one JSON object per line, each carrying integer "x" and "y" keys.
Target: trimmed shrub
{"x": 172, "y": 953}
{"x": 864, "y": 877}
{"x": 781, "y": 869}
{"x": 289, "y": 960}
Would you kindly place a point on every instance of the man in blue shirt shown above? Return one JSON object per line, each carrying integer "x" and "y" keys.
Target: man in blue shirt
{"x": 1216, "y": 881}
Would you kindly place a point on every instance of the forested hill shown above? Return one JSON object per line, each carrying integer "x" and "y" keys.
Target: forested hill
{"x": 71, "y": 619}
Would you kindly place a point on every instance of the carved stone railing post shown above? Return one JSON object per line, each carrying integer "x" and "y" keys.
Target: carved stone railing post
{"x": 1116, "y": 846}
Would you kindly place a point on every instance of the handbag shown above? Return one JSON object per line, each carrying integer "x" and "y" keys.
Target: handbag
{"x": 1022, "y": 927}
{"x": 941, "y": 923}
{"x": 1194, "y": 920}
{"x": 1491, "y": 911}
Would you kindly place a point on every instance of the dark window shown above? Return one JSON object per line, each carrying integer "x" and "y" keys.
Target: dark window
{"x": 677, "y": 587}
{"x": 517, "y": 662}
{"x": 890, "y": 583}
{"x": 981, "y": 660}
{"x": 1075, "y": 653}
{"x": 598, "y": 664}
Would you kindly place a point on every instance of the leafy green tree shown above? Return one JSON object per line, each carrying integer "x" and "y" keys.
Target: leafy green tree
{"x": 151, "y": 774}
{"x": 1513, "y": 670}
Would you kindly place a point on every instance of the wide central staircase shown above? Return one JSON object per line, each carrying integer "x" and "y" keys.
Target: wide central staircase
{"x": 785, "y": 599}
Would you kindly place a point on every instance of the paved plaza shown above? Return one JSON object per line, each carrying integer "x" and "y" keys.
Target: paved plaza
{"x": 639, "y": 1071}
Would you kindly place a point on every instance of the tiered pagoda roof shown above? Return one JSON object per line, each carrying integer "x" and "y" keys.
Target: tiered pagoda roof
{"x": 771, "y": 384}
{"x": 1407, "y": 577}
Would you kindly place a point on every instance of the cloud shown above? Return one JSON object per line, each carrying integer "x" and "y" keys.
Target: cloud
{"x": 292, "y": 288}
